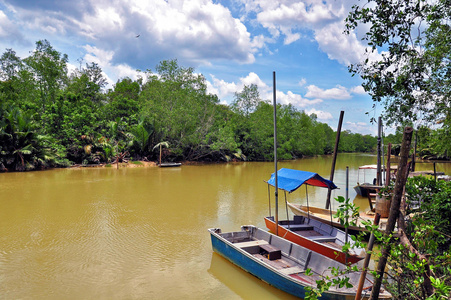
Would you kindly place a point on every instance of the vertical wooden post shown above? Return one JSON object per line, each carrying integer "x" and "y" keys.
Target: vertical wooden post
{"x": 387, "y": 170}
{"x": 332, "y": 171}
{"x": 379, "y": 151}
{"x": 401, "y": 179}
{"x": 276, "y": 193}
{"x": 435, "y": 172}
{"x": 366, "y": 262}
{"x": 414, "y": 155}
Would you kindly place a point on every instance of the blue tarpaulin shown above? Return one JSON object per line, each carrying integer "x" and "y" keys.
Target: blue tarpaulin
{"x": 290, "y": 180}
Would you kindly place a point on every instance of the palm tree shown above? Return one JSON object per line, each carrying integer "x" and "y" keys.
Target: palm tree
{"x": 160, "y": 145}
{"x": 22, "y": 148}
{"x": 141, "y": 134}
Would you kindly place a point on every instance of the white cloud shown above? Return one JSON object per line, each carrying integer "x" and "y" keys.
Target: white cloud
{"x": 295, "y": 99}
{"x": 322, "y": 115}
{"x": 360, "y": 127}
{"x": 104, "y": 60}
{"x": 358, "y": 90}
{"x": 9, "y": 31}
{"x": 339, "y": 92}
{"x": 222, "y": 88}
{"x": 193, "y": 31}
{"x": 226, "y": 91}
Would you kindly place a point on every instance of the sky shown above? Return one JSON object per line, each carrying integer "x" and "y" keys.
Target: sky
{"x": 232, "y": 43}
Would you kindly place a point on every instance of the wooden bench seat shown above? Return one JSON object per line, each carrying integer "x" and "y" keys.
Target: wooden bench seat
{"x": 273, "y": 252}
{"x": 322, "y": 238}
{"x": 292, "y": 270}
{"x": 251, "y": 243}
{"x": 296, "y": 227}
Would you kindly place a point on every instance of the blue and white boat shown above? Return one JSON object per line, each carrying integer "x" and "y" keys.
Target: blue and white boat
{"x": 283, "y": 264}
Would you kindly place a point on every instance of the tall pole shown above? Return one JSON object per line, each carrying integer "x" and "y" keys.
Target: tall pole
{"x": 387, "y": 169}
{"x": 276, "y": 193}
{"x": 347, "y": 216}
{"x": 379, "y": 152}
{"x": 332, "y": 171}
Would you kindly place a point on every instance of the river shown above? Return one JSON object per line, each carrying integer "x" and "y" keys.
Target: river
{"x": 141, "y": 233}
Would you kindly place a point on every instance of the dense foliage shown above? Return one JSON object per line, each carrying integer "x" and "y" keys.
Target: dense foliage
{"x": 50, "y": 117}
{"x": 407, "y": 64}
{"x": 424, "y": 269}
{"x": 419, "y": 262}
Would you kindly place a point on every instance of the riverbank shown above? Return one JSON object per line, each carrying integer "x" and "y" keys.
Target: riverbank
{"x": 131, "y": 164}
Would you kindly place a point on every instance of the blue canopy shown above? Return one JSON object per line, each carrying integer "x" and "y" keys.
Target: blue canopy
{"x": 290, "y": 180}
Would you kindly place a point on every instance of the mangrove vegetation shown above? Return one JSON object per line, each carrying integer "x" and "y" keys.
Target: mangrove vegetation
{"x": 52, "y": 117}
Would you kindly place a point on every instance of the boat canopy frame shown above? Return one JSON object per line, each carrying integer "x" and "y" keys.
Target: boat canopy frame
{"x": 290, "y": 180}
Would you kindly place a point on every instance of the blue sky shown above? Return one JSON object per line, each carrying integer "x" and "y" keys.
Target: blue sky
{"x": 232, "y": 43}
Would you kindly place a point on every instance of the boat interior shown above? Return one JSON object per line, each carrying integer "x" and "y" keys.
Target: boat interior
{"x": 312, "y": 229}
{"x": 287, "y": 258}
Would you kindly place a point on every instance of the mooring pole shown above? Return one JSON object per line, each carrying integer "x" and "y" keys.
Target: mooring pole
{"x": 388, "y": 167}
{"x": 332, "y": 171}
{"x": 347, "y": 214}
{"x": 276, "y": 192}
{"x": 358, "y": 295}
{"x": 379, "y": 151}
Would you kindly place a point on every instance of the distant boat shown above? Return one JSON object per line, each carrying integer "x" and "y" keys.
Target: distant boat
{"x": 303, "y": 230}
{"x": 282, "y": 263}
{"x": 166, "y": 165}
{"x": 366, "y": 189}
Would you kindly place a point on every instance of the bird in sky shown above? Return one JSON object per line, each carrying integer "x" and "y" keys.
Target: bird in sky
{"x": 138, "y": 35}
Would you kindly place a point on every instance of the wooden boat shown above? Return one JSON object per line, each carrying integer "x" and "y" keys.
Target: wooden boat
{"x": 366, "y": 189}
{"x": 282, "y": 263}
{"x": 310, "y": 233}
{"x": 324, "y": 215}
{"x": 166, "y": 165}
{"x": 317, "y": 236}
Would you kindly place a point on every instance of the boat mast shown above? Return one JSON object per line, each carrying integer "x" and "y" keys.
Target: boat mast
{"x": 276, "y": 193}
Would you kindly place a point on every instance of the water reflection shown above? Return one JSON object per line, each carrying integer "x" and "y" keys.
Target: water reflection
{"x": 141, "y": 233}
{"x": 243, "y": 284}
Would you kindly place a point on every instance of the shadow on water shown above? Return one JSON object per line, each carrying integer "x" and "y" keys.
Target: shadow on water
{"x": 242, "y": 283}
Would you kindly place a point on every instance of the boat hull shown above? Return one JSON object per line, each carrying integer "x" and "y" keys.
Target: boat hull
{"x": 257, "y": 269}
{"x": 284, "y": 276}
{"x": 169, "y": 165}
{"x": 325, "y": 248}
{"x": 323, "y": 215}
{"x": 361, "y": 191}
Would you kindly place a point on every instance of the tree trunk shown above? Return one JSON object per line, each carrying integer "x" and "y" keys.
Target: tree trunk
{"x": 404, "y": 240}
{"x": 394, "y": 209}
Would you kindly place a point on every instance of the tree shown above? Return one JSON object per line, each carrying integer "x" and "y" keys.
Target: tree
{"x": 412, "y": 76}
{"x": 50, "y": 70}
{"x": 183, "y": 112}
{"x": 247, "y": 100}
{"x": 17, "y": 85}
{"x": 88, "y": 82}
{"x": 10, "y": 65}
